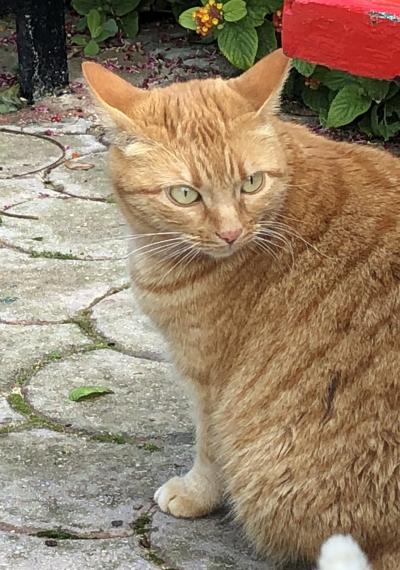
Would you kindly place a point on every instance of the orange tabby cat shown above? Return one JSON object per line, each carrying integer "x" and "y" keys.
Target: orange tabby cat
{"x": 270, "y": 259}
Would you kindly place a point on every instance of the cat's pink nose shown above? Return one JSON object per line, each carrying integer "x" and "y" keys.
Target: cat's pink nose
{"x": 230, "y": 236}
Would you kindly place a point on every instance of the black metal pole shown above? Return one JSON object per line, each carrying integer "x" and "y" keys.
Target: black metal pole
{"x": 41, "y": 47}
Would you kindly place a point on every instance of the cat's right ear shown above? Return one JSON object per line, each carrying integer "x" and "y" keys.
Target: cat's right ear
{"x": 115, "y": 95}
{"x": 262, "y": 84}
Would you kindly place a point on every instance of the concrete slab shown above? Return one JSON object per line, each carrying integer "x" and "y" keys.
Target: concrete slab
{"x": 53, "y": 289}
{"x": 147, "y": 401}
{"x": 70, "y": 226}
{"x": 93, "y": 183}
{"x": 22, "y": 346}
{"x": 32, "y": 553}
{"x": 52, "y": 481}
{"x": 21, "y": 154}
{"x": 120, "y": 320}
{"x": 7, "y": 416}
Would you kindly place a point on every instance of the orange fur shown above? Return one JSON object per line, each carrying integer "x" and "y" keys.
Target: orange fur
{"x": 288, "y": 340}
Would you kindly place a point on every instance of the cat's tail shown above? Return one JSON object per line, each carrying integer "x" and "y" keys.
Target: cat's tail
{"x": 341, "y": 552}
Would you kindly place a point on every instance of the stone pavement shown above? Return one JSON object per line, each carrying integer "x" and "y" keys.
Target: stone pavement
{"x": 77, "y": 478}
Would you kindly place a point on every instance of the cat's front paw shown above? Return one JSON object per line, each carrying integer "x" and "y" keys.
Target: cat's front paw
{"x": 188, "y": 496}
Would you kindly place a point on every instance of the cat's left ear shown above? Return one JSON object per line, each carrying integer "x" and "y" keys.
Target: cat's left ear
{"x": 262, "y": 84}
{"x": 115, "y": 95}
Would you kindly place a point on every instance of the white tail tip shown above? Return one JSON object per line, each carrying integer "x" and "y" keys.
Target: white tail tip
{"x": 341, "y": 552}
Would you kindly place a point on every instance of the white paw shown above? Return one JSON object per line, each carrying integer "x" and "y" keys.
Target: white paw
{"x": 342, "y": 552}
{"x": 186, "y": 497}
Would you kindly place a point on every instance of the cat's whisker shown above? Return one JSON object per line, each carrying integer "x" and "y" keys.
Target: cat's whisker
{"x": 158, "y": 250}
{"x": 180, "y": 260}
{"x": 269, "y": 244}
{"x": 138, "y": 236}
{"x": 291, "y": 231}
{"x": 149, "y": 246}
{"x": 266, "y": 247}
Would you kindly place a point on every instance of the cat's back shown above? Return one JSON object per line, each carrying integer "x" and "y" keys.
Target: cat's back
{"x": 317, "y": 392}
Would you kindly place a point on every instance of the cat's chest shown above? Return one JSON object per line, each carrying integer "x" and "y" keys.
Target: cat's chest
{"x": 197, "y": 327}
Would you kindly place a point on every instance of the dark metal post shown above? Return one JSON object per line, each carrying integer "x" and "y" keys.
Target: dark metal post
{"x": 41, "y": 47}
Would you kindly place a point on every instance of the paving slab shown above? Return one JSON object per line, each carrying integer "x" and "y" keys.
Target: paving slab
{"x": 147, "y": 401}
{"x": 53, "y": 481}
{"x": 119, "y": 318}
{"x": 17, "y": 190}
{"x": 82, "y": 144}
{"x": 69, "y": 125}
{"x": 93, "y": 183}
{"x": 22, "y": 346}
{"x": 22, "y": 153}
{"x": 32, "y": 553}
{"x": 53, "y": 289}
{"x": 69, "y": 226}
{"x": 7, "y": 415}
{"x": 210, "y": 543}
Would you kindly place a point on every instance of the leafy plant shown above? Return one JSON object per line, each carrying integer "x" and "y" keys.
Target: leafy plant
{"x": 9, "y": 99}
{"x": 340, "y": 98}
{"x": 243, "y": 29}
{"x": 104, "y": 19}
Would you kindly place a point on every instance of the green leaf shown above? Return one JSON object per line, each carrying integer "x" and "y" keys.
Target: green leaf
{"x": 81, "y": 24}
{"x": 393, "y": 90}
{"x": 79, "y": 40}
{"x": 186, "y": 18}
{"x": 365, "y": 125}
{"x": 109, "y": 29}
{"x": 389, "y": 130}
{"x": 374, "y": 119}
{"x": 374, "y": 88}
{"x": 94, "y": 22}
{"x": 123, "y": 7}
{"x": 86, "y": 392}
{"x": 92, "y": 48}
{"x": 9, "y": 99}
{"x": 392, "y": 106}
{"x": 7, "y": 108}
{"x": 256, "y": 12}
{"x": 304, "y": 67}
{"x": 274, "y": 5}
{"x": 83, "y": 7}
{"x": 333, "y": 79}
{"x": 239, "y": 44}
{"x": 316, "y": 99}
{"x": 266, "y": 39}
{"x": 130, "y": 24}
{"x": 348, "y": 104}
{"x": 234, "y": 10}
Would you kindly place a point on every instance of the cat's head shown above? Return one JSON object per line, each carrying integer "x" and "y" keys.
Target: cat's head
{"x": 202, "y": 158}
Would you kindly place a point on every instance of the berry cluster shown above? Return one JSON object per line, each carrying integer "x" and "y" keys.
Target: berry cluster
{"x": 208, "y": 17}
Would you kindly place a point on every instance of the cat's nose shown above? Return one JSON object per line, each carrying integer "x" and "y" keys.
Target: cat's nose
{"x": 230, "y": 236}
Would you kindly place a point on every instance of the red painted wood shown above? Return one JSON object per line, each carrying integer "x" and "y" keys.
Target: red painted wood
{"x": 358, "y": 36}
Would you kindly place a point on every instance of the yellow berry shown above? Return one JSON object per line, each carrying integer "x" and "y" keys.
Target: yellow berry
{"x": 215, "y": 21}
{"x": 219, "y": 6}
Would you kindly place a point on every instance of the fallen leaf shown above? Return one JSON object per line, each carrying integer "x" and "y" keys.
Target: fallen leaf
{"x": 86, "y": 392}
{"x": 72, "y": 165}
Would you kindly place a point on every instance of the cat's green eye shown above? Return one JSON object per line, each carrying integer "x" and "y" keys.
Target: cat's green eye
{"x": 183, "y": 195}
{"x": 253, "y": 183}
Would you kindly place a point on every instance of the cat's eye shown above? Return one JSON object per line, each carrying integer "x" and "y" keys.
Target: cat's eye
{"x": 253, "y": 183}
{"x": 183, "y": 195}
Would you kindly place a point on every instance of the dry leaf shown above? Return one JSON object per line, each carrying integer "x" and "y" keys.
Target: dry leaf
{"x": 72, "y": 165}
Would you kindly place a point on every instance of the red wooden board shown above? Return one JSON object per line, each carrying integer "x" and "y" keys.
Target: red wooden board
{"x": 358, "y": 36}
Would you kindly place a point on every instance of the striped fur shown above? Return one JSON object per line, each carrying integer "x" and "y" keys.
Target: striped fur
{"x": 289, "y": 345}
